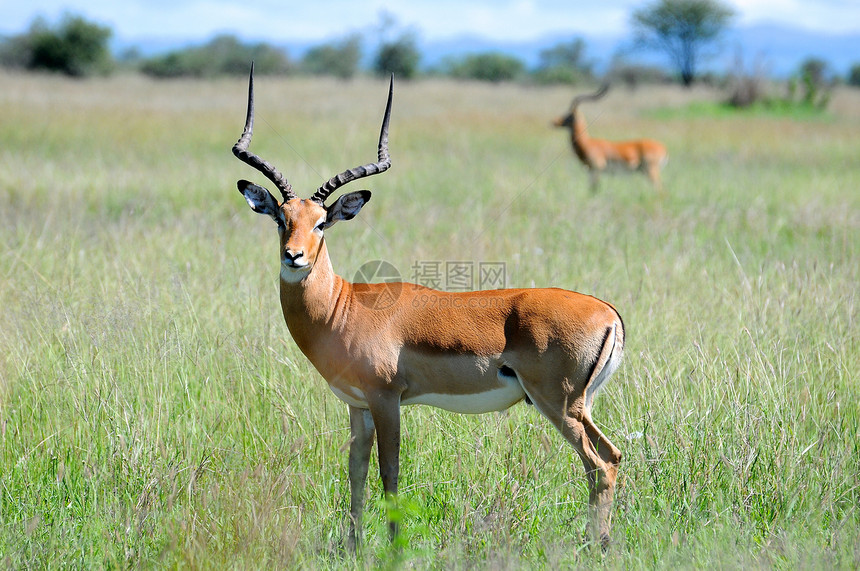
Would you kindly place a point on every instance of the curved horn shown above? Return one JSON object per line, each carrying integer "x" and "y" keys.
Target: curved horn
{"x": 380, "y": 166}
{"x": 240, "y": 149}
{"x": 590, "y": 96}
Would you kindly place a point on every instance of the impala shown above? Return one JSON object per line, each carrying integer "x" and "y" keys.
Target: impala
{"x": 471, "y": 352}
{"x": 646, "y": 155}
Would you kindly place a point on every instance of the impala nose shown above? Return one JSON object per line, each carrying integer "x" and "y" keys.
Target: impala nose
{"x": 291, "y": 257}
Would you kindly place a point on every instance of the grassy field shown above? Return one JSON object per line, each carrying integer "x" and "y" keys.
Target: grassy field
{"x": 154, "y": 411}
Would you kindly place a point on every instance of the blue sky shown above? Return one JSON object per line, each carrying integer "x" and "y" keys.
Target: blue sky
{"x": 275, "y": 21}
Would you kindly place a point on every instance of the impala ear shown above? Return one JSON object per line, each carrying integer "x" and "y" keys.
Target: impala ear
{"x": 259, "y": 199}
{"x": 347, "y": 206}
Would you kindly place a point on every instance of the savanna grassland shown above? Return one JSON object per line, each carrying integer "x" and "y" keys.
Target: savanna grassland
{"x": 154, "y": 411}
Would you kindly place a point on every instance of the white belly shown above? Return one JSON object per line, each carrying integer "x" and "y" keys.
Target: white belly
{"x": 496, "y": 399}
{"x": 500, "y": 397}
{"x": 351, "y": 396}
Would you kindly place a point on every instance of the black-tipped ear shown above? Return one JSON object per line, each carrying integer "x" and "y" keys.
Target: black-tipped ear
{"x": 347, "y": 206}
{"x": 259, "y": 199}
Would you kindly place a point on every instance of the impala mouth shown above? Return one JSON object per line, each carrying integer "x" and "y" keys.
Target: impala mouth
{"x": 294, "y": 265}
{"x": 293, "y": 271}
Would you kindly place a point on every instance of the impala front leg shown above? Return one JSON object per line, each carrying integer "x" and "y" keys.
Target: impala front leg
{"x": 594, "y": 177}
{"x": 385, "y": 409}
{"x": 362, "y": 430}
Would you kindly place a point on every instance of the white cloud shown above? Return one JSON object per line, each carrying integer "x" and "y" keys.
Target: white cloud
{"x": 506, "y": 19}
{"x": 835, "y": 16}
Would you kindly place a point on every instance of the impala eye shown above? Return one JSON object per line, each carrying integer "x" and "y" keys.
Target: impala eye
{"x": 320, "y": 226}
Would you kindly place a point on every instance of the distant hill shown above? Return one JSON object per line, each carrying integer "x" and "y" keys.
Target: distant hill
{"x": 783, "y": 48}
{"x": 779, "y": 48}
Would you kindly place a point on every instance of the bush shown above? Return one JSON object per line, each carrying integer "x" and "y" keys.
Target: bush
{"x": 564, "y": 63}
{"x": 747, "y": 86}
{"x": 490, "y": 66}
{"x": 15, "y": 52}
{"x": 224, "y": 55}
{"x": 813, "y": 85}
{"x": 399, "y": 57}
{"x": 854, "y": 75}
{"x": 809, "y": 89}
{"x": 816, "y": 70}
{"x": 76, "y": 47}
{"x": 338, "y": 59}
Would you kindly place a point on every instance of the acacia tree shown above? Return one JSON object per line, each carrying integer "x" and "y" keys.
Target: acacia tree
{"x": 681, "y": 28}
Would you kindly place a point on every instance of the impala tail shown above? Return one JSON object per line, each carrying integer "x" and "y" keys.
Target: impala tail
{"x": 607, "y": 362}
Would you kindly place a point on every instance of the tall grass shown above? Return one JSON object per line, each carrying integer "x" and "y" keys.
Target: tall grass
{"x": 155, "y": 412}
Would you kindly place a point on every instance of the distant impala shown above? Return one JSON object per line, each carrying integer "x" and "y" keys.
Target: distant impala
{"x": 468, "y": 352}
{"x": 646, "y": 155}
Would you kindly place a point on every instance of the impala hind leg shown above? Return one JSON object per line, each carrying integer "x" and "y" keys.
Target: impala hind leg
{"x": 599, "y": 457}
{"x": 600, "y": 460}
{"x": 362, "y": 431}
{"x": 654, "y": 175}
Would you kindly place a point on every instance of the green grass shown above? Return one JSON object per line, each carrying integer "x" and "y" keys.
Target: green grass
{"x": 776, "y": 109}
{"x": 154, "y": 411}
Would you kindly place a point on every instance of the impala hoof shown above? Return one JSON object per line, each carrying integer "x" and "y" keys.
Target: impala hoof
{"x": 605, "y": 541}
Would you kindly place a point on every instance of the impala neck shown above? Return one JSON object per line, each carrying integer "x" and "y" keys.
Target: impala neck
{"x": 579, "y": 131}
{"x": 311, "y": 306}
